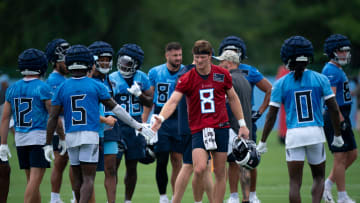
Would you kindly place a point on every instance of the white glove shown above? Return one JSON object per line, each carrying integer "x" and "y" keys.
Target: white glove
{"x": 4, "y": 152}
{"x": 147, "y": 132}
{"x": 261, "y": 148}
{"x": 338, "y": 141}
{"x": 62, "y": 146}
{"x": 134, "y": 89}
{"x": 48, "y": 152}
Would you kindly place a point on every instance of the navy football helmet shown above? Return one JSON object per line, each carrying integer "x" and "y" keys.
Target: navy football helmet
{"x": 55, "y": 50}
{"x": 338, "y": 42}
{"x": 102, "y": 49}
{"x": 296, "y": 49}
{"x": 149, "y": 155}
{"x": 32, "y": 62}
{"x": 130, "y": 58}
{"x": 233, "y": 43}
{"x": 79, "y": 57}
{"x": 245, "y": 153}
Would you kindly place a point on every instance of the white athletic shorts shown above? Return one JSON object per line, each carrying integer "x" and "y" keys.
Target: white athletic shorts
{"x": 88, "y": 153}
{"x": 315, "y": 153}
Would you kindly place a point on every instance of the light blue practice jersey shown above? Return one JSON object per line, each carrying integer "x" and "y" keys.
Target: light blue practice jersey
{"x": 80, "y": 98}
{"x": 302, "y": 98}
{"x": 128, "y": 101}
{"x": 339, "y": 80}
{"x": 252, "y": 75}
{"x": 54, "y": 80}
{"x": 163, "y": 82}
{"x": 27, "y": 104}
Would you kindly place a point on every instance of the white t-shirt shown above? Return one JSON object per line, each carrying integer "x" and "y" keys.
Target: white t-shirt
{"x": 74, "y": 139}
{"x": 34, "y": 137}
{"x": 297, "y": 137}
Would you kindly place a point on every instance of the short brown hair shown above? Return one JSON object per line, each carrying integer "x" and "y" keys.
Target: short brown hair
{"x": 202, "y": 47}
{"x": 172, "y": 46}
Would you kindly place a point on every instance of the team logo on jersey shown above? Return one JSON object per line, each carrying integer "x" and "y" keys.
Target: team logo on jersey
{"x": 218, "y": 77}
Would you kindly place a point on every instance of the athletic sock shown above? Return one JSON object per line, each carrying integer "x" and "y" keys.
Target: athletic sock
{"x": 252, "y": 195}
{"x": 54, "y": 196}
{"x": 328, "y": 184}
{"x": 342, "y": 195}
{"x": 234, "y": 195}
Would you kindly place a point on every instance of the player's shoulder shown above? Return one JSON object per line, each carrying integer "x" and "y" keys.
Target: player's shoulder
{"x": 245, "y": 66}
{"x": 141, "y": 73}
{"x": 158, "y": 67}
{"x": 330, "y": 68}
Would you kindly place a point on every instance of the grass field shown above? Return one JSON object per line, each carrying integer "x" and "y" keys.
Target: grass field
{"x": 272, "y": 183}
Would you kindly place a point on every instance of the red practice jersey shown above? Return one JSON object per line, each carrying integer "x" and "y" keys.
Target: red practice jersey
{"x": 205, "y": 98}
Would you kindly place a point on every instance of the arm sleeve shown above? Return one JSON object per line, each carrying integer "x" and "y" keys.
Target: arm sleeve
{"x": 125, "y": 117}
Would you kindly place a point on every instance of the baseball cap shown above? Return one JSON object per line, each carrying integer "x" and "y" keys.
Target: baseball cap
{"x": 228, "y": 55}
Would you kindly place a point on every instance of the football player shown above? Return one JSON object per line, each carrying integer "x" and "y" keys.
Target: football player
{"x": 103, "y": 55}
{"x": 132, "y": 92}
{"x": 55, "y": 53}
{"x": 337, "y": 47}
{"x": 255, "y": 78}
{"x": 79, "y": 97}
{"x": 187, "y": 166}
{"x": 206, "y": 87}
{"x": 28, "y": 100}
{"x": 302, "y": 91}
{"x": 163, "y": 79}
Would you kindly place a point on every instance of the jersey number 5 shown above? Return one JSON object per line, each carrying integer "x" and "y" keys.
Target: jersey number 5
{"x": 75, "y": 108}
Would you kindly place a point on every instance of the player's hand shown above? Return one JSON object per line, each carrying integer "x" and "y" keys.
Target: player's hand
{"x": 244, "y": 132}
{"x": 343, "y": 125}
{"x": 135, "y": 89}
{"x": 261, "y": 148}
{"x": 4, "y": 152}
{"x": 338, "y": 141}
{"x": 48, "y": 152}
{"x": 110, "y": 120}
{"x": 155, "y": 122}
{"x": 255, "y": 116}
{"x": 62, "y": 146}
{"x": 147, "y": 132}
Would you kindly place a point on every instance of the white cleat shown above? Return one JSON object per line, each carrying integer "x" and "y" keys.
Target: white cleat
{"x": 233, "y": 200}
{"x": 255, "y": 199}
{"x": 327, "y": 196}
{"x": 73, "y": 201}
{"x": 346, "y": 200}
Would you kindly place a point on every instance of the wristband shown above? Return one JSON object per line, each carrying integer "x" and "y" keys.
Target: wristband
{"x": 242, "y": 123}
{"x": 161, "y": 118}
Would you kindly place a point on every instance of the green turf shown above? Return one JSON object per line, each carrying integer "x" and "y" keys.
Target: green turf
{"x": 272, "y": 183}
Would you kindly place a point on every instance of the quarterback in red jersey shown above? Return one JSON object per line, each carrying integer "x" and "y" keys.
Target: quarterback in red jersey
{"x": 205, "y": 97}
{"x": 206, "y": 87}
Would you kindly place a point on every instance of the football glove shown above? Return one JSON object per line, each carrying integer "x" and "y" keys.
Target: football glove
{"x": 48, "y": 152}
{"x": 134, "y": 89}
{"x": 147, "y": 132}
{"x": 338, "y": 141}
{"x": 255, "y": 116}
{"x": 4, "y": 152}
{"x": 261, "y": 148}
{"x": 62, "y": 146}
